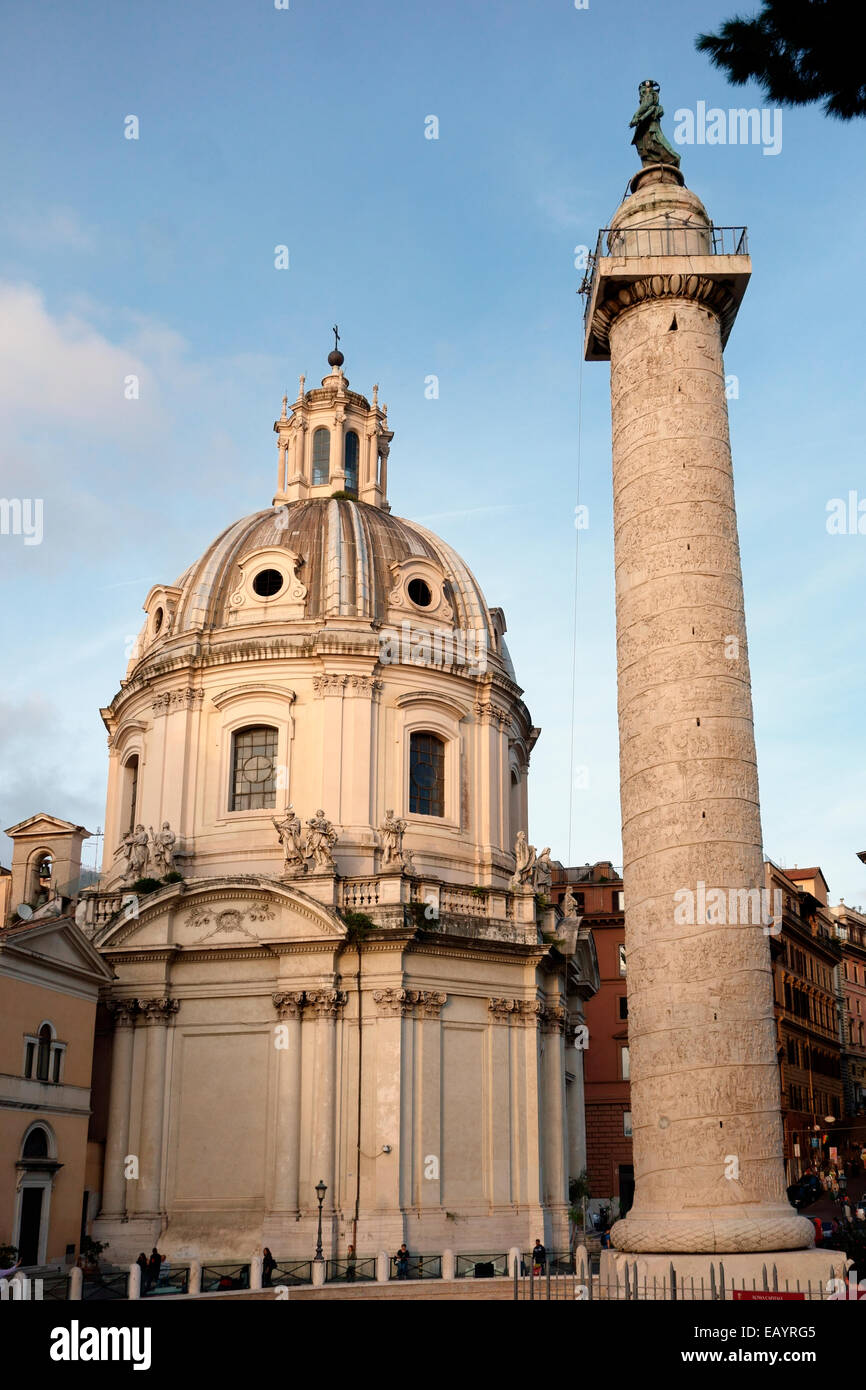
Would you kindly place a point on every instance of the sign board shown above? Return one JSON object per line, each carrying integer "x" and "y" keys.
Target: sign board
{"x": 767, "y": 1296}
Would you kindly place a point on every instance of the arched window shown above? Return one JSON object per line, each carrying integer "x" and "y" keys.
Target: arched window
{"x": 43, "y": 1057}
{"x": 254, "y": 753}
{"x": 426, "y": 775}
{"x": 36, "y": 1144}
{"x": 321, "y": 456}
{"x": 129, "y": 794}
{"x": 351, "y": 461}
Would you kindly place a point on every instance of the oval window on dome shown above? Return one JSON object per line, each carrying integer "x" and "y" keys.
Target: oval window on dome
{"x": 267, "y": 583}
{"x": 157, "y": 621}
{"x": 420, "y": 592}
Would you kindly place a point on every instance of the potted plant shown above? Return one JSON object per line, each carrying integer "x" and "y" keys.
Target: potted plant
{"x": 90, "y": 1253}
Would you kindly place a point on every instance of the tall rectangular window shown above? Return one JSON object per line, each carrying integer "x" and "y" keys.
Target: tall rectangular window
{"x": 254, "y": 753}
{"x": 321, "y": 456}
{"x": 426, "y": 775}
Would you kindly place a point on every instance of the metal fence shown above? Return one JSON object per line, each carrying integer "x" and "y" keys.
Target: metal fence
{"x": 582, "y": 1286}
{"x": 174, "y": 1281}
{"x": 357, "y": 1271}
{"x": 224, "y": 1276}
{"x": 668, "y": 239}
{"x": 481, "y": 1266}
{"x": 104, "y": 1286}
{"x": 290, "y": 1272}
{"x": 418, "y": 1267}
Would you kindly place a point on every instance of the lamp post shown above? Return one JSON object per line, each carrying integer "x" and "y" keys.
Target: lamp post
{"x": 321, "y": 1189}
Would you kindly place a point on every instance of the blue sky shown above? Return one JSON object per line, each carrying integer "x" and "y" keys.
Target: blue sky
{"x": 453, "y": 257}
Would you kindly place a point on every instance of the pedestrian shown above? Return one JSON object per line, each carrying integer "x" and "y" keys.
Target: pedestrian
{"x": 402, "y": 1259}
{"x": 153, "y": 1265}
{"x": 145, "y": 1273}
{"x": 269, "y": 1264}
{"x": 539, "y": 1257}
{"x": 350, "y": 1265}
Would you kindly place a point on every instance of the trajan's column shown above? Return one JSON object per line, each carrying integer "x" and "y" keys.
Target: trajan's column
{"x": 663, "y": 294}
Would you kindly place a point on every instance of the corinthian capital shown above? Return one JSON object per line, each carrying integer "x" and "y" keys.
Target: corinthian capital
{"x": 326, "y": 1002}
{"x": 290, "y": 1005}
{"x": 157, "y": 1010}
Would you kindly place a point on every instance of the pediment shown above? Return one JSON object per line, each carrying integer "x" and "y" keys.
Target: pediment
{"x": 60, "y": 943}
{"x": 212, "y": 914}
{"x": 41, "y": 824}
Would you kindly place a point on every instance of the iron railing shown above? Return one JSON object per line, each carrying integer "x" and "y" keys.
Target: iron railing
{"x": 481, "y": 1266}
{"x": 106, "y": 1286}
{"x": 224, "y": 1276}
{"x": 582, "y": 1286}
{"x": 174, "y": 1281}
{"x": 663, "y": 239}
{"x": 360, "y": 1270}
{"x": 290, "y": 1272}
{"x": 55, "y": 1286}
{"x": 418, "y": 1267}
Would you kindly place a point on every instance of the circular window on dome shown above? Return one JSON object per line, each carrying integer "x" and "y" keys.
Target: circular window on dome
{"x": 157, "y": 621}
{"x": 420, "y": 592}
{"x": 267, "y": 583}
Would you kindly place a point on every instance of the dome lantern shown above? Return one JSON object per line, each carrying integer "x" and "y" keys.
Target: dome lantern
{"x": 333, "y": 440}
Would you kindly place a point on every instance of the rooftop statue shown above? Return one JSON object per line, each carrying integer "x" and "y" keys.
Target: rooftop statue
{"x": 651, "y": 144}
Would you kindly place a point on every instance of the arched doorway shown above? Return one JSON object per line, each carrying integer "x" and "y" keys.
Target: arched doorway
{"x": 37, "y": 1166}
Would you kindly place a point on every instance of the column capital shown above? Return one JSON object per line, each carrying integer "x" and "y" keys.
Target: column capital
{"x": 406, "y": 1003}
{"x": 157, "y": 1010}
{"x": 520, "y": 1011}
{"x": 553, "y": 1018}
{"x": 122, "y": 1011}
{"x": 326, "y": 1002}
{"x": 290, "y": 1005}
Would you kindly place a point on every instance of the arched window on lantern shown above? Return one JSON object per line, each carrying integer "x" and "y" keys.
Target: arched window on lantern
{"x": 351, "y": 452}
{"x": 321, "y": 456}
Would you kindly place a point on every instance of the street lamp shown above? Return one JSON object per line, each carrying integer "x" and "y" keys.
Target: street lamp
{"x": 321, "y": 1189}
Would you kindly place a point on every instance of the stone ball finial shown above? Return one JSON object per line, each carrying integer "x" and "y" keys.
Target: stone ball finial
{"x": 335, "y": 358}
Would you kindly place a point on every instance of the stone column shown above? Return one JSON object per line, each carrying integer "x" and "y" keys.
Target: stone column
{"x": 326, "y": 1004}
{"x": 575, "y": 1096}
{"x": 156, "y": 1013}
{"x": 117, "y": 1139}
{"x": 285, "y": 1199}
{"x": 704, "y": 1078}
{"x": 552, "y": 1019}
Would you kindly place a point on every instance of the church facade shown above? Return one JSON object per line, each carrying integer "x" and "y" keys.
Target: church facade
{"x": 335, "y": 961}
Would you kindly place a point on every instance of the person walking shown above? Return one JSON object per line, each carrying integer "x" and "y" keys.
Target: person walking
{"x": 145, "y": 1273}
{"x": 153, "y": 1265}
{"x": 269, "y": 1264}
{"x": 539, "y": 1257}
{"x": 350, "y": 1264}
{"x": 402, "y": 1259}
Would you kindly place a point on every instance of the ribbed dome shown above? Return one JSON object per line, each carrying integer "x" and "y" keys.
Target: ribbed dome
{"x": 347, "y": 549}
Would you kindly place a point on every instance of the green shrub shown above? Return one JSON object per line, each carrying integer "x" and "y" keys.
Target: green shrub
{"x": 146, "y": 885}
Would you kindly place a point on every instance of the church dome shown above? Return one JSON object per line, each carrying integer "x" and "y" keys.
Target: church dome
{"x": 346, "y": 554}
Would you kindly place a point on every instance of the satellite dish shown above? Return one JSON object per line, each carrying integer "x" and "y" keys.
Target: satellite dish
{"x": 24, "y": 911}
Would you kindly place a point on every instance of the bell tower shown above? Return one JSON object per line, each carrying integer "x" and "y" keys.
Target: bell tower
{"x": 333, "y": 440}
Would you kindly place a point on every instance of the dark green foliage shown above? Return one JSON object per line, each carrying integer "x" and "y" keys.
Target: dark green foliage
{"x": 146, "y": 885}
{"x": 798, "y": 51}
